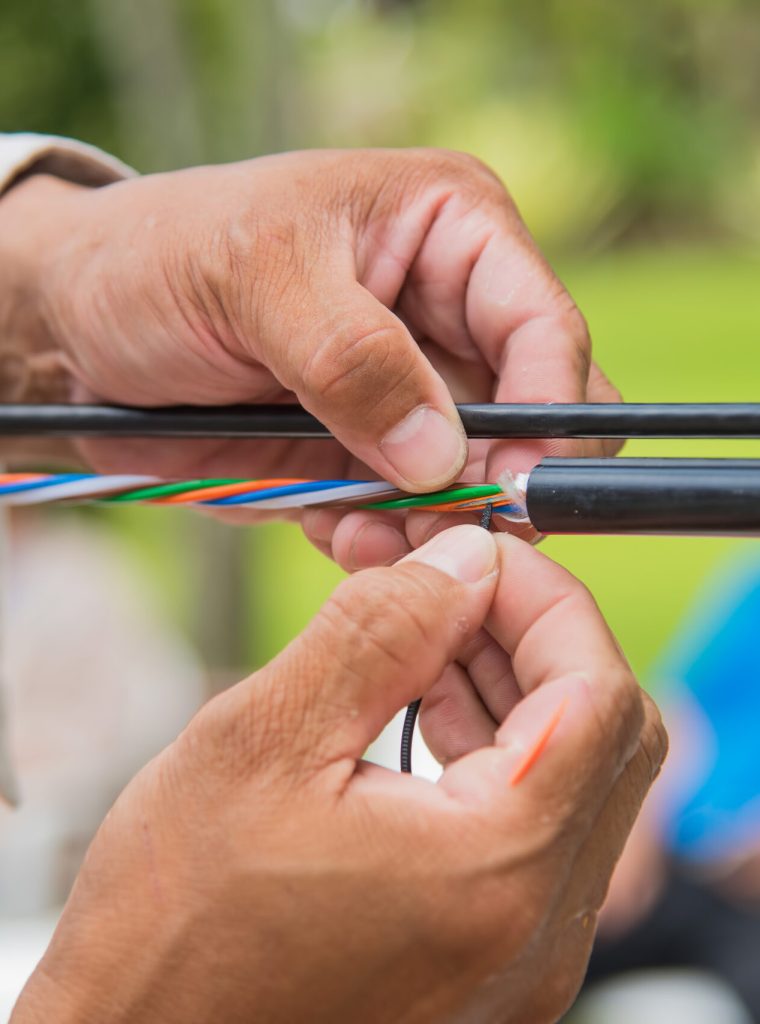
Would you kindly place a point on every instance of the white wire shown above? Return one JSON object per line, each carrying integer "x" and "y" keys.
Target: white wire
{"x": 326, "y": 496}
{"x": 96, "y": 486}
{"x": 90, "y": 487}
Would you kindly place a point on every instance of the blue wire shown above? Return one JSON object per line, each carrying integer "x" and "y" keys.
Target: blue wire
{"x": 248, "y": 497}
{"x": 506, "y": 506}
{"x": 280, "y": 492}
{"x": 35, "y": 485}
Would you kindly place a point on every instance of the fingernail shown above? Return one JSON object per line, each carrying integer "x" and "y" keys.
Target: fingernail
{"x": 425, "y": 448}
{"x": 376, "y": 544}
{"x": 465, "y": 552}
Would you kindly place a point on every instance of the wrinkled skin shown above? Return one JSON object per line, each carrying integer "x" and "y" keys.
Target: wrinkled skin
{"x": 375, "y": 287}
{"x": 259, "y": 869}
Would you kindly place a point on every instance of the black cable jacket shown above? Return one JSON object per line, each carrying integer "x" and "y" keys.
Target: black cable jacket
{"x": 480, "y": 420}
{"x": 655, "y": 496}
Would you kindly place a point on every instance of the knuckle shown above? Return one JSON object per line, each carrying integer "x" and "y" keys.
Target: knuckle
{"x": 581, "y": 348}
{"x": 577, "y": 327}
{"x": 653, "y": 737}
{"x": 466, "y": 168}
{"x": 570, "y": 597}
{"x": 626, "y": 695}
{"x": 572, "y": 326}
{"x": 354, "y": 368}
{"x": 449, "y": 172}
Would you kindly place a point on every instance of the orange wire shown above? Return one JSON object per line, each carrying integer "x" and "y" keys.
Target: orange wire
{"x": 471, "y": 505}
{"x": 223, "y": 491}
{"x": 20, "y": 478}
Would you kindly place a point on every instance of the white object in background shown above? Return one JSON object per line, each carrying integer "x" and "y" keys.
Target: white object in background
{"x": 662, "y": 997}
{"x": 22, "y": 942}
{"x": 97, "y": 683}
{"x": 386, "y": 749}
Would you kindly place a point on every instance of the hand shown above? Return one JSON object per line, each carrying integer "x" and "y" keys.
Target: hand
{"x": 260, "y": 869}
{"x": 375, "y": 287}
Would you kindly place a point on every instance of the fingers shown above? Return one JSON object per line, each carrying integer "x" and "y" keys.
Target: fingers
{"x": 490, "y": 669}
{"x": 527, "y": 327}
{"x": 453, "y": 718}
{"x": 550, "y": 625}
{"x": 353, "y": 364}
{"x": 564, "y": 745}
{"x": 552, "y": 628}
{"x": 421, "y": 526}
{"x": 358, "y": 540}
{"x": 479, "y": 287}
{"x": 551, "y": 771}
{"x": 382, "y": 640}
{"x": 545, "y": 359}
{"x": 462, "y": 710}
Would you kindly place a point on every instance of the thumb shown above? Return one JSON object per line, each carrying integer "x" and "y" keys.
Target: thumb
{"x": 355, "y": 366}
{"x": 382, "y": 640}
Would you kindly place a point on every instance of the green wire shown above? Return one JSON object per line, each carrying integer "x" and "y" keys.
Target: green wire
{"x": 166, "y": 490}
{"x": 440, "y": 497}
{"x": 413, "y": 501}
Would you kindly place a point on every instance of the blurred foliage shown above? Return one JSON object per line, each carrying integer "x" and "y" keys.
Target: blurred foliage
{"x": 611, "y": 123}
{"x": 51, "y": 76}
{"x": 607, "y": 120}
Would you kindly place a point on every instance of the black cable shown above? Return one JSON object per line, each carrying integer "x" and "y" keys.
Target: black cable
{"x": 407, "y": 734}
{"x": 487, "y": 516}
{"x": 655, "y": 496}
{"x": 480, "y": 420}
{"x": 412, "y": 711}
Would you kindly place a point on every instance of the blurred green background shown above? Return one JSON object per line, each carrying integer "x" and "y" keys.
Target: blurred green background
{"x": 628, "y": 134}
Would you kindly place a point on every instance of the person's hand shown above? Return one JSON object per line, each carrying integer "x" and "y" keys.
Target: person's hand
{"x": 377, "y": 288}
{"x": 259, "y": 869}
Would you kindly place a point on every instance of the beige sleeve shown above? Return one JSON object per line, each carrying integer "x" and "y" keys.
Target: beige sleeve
{"x": 21, "y": 152}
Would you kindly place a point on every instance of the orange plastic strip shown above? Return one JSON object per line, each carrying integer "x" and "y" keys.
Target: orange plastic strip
{"x": 524, "y": 766}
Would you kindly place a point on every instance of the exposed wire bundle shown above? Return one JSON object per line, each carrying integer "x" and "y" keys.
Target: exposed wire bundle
{"x": 264, "y": 495}
{"x": 680, "y": 496}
